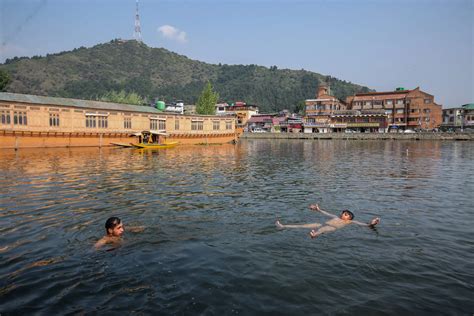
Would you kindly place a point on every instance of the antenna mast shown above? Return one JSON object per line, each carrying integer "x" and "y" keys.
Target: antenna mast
{"x": 138, "y": 30}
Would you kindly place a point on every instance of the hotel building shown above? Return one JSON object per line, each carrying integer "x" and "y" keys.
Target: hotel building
{"x": 405, "y": 109}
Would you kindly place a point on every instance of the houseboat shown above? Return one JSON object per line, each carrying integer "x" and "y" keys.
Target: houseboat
{"x": 39, "y": 121}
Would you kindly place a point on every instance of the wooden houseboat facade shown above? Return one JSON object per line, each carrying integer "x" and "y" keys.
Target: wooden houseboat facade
{"x": 28, "y": 121}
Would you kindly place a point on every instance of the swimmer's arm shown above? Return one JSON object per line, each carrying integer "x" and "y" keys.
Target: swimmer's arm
{"x": 136, "y": 229}
{"x": 316, "y": 208}
{"x": 372, "y": 223}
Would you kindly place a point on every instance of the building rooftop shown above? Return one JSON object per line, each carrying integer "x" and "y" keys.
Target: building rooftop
{"x": 383, "y": 93}
{"x": 85, "y": 104}
{"x": 469, "y": 106}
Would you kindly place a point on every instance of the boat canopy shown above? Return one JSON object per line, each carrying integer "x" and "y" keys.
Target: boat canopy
{"x": 159, "y": 132}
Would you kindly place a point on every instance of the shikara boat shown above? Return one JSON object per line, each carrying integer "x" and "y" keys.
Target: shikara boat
{"x": 153, "y": 140}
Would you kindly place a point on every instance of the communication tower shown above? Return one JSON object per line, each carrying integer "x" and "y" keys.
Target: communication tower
{"x": 138, "y": 30}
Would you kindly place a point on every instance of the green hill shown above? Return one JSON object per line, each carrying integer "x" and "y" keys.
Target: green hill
{"x": 87, "y": 73}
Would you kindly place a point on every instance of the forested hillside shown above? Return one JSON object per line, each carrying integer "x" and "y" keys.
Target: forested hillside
{"x": 89, "y": 73}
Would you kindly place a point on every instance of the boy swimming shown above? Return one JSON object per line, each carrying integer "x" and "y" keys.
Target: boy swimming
{"x": 346, "y": 218}
{"x": 114, "y": 230}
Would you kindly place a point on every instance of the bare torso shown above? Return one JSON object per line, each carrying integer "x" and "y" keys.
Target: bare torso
{"x": 337, "y": 222}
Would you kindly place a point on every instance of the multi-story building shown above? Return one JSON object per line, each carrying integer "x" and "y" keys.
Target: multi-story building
{"x": 242, "y": 111}
{"x": 458, "y": 118}
{"x": 371, "y": 121}
{"x": 405, "y": 109}
{"x": 318, "y": 111}
{"x": 263, "y": 122}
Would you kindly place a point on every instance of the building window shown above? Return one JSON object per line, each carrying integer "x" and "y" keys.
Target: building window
{"x": 389, "y": 112}
{"x": 19, "y": 118}
{"x": 197, "y": 125}
{"x": 427, "y": 101}
{"x": 426, "y": 110}
{"x": 53, "y": 119}
{"x": 5, "y": 117}
{"x": 103, "y": 122}
{"x": 399, "y": 101}
{"x": 153, "y": 124}
{"x": 389, "y": 102}
{"x": 91, "y": 121}
{"x": 127, "y": 122}
{"x": 367, "y": 103}
{"x": 216, "y": 125}
{"x": 176, "y": 124}
{"x": 400, "y": 111}
{"x": 228, "y": 125}
{"x": 162, "y": 124}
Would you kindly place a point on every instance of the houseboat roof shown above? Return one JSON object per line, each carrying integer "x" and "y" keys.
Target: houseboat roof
{"x": 85, "y": 104}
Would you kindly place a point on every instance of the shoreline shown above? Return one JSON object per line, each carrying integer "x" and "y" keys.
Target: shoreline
{"x": 362, "y": 136}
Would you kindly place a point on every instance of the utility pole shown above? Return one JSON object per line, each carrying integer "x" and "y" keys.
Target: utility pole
{"x": 138, "y": 31}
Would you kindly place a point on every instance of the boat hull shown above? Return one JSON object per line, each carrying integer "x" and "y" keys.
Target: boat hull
{"x": 38, "y": 139}
{"x": 156, "y": 146}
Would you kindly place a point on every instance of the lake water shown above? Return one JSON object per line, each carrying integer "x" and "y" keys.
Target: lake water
{"x": 210, "y": 245}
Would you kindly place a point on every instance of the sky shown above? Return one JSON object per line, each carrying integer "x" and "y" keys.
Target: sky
{"x": 382, "y": 44}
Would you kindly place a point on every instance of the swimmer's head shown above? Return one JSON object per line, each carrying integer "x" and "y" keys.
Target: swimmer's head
{"x": 114, "y": 227}
{"x": 347, "y": 215}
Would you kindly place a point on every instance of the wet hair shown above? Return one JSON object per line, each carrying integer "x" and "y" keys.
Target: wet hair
{"x": 348, "y": 212}
{"x": 111, "y": 223}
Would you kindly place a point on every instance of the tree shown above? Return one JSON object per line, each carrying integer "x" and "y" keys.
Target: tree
{"x": 206, "y": 104}
{"x": 4, "y": 80}
{"x": 122, "y": 97}
{"x": 300, "y": 107}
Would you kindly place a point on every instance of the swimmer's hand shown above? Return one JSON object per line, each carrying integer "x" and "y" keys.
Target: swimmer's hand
{"x": 374, "y": 222}
{"x": 313, "y": 233}
{"x": 315, "y": 207}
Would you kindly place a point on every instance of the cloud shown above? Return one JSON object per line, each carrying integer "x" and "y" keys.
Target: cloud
{"x": 173, "y": 33}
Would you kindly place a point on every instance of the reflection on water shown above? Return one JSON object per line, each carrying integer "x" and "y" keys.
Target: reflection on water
{"x": 209, "y": 243}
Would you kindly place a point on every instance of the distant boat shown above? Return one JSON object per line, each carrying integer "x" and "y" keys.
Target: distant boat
{"x": 153, "y": 140}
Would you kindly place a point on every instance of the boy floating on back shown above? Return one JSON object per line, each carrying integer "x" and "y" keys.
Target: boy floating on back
{"x": 346, "y": 218}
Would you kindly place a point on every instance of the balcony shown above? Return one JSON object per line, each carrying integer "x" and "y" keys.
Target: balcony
{"x": 399, "y": 106}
